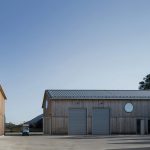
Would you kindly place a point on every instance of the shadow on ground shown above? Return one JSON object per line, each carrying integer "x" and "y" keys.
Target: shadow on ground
{"x": 81, "y": 137}
{"x": 142, "y": 148}
{"x": 132, "y": 139}
{"x": 110, "y": 138}
{"x": 20, "y": 134}
{"x": 142, "y": 142}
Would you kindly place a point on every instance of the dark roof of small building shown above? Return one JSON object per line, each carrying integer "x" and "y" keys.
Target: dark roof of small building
{"x": 2, "y": 91}
{"x": 35, "y": 120}
{"x": 98, "y": 94}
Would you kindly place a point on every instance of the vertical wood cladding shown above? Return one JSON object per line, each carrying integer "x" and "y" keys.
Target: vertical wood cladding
{"x": 2, "y": 114}
{"x": 121, "y": 122}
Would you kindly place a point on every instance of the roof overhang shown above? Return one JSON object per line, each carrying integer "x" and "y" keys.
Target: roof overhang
{"x": 45, "y": 93}
{"x": 2, "y": 91}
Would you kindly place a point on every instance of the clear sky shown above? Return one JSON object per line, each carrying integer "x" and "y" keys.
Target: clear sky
{"x": 70, "y": 44}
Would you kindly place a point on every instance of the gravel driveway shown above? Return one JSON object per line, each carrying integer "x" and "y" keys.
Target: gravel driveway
{"x": 74, "y": 142}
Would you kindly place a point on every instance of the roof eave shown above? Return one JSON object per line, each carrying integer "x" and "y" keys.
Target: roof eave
{"x": 2, "y": 91}
{"x": 101, "y": 98}
{"x": 46, "y": 91}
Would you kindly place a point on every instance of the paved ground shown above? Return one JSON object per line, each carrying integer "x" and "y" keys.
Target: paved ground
{"x": 37, "y": 142}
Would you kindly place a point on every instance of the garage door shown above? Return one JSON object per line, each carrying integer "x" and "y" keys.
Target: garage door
{"x": 100, "y": 121}
{"x": 77, "y": 121}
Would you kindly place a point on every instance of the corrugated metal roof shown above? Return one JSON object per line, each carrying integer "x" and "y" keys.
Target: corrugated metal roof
{"x": 99, "y": 94}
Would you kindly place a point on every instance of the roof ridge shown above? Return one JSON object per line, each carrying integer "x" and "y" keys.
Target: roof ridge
{"x": 89, "y": 90}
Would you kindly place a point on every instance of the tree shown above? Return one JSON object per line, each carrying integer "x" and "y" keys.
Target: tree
{"x": 145, "y": 84}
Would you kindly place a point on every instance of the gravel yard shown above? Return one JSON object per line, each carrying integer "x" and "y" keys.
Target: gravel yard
{"x": 37, "y": 142}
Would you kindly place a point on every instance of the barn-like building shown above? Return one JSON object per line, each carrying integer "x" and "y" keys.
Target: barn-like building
{"x": 97, "y": 112}
{"x": 2, "y": 111}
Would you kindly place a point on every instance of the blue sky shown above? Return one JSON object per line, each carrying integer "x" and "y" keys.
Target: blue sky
{"x": 64, "y": 44}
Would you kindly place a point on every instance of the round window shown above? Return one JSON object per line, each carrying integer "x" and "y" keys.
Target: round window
{"x": 128, "y": 107}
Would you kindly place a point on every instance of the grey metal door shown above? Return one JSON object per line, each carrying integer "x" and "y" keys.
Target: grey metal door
{"x": 77, "y": 121}
{"x": 142, "y": 127}
{"x": 101, "y": 121}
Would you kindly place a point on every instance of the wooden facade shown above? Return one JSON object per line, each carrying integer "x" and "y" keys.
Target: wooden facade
{"x": 2, "y": 111}
{"x": 121, "y": 122}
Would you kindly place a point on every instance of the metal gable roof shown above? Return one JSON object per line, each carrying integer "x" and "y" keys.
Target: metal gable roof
{"x": 99, "y": 94}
